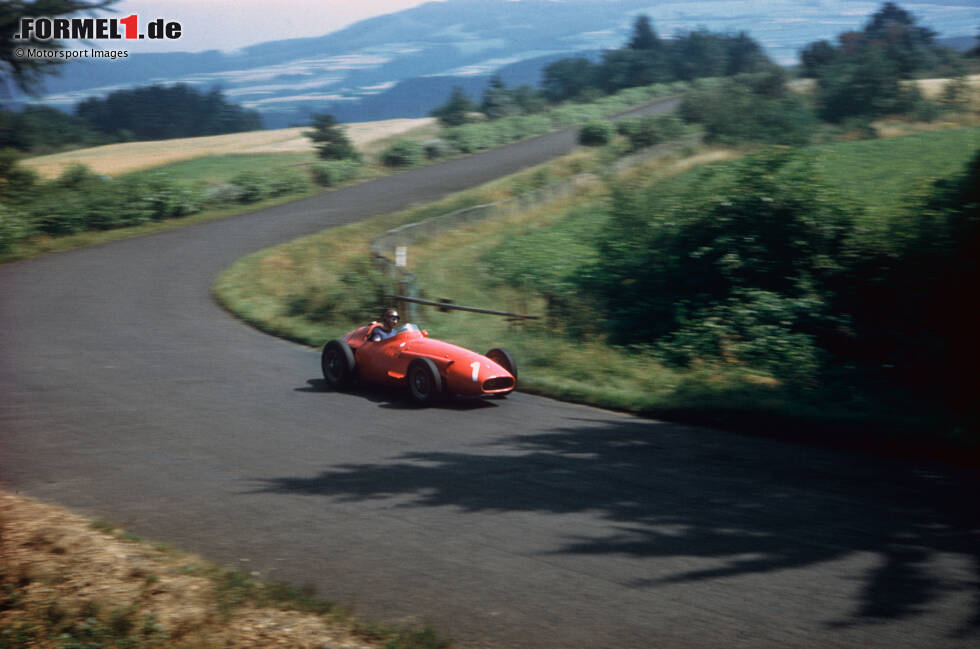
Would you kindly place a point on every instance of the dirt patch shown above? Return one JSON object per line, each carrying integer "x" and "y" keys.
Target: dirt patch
{"x": 116, "y": 159}
{"x": 65, "y": 580}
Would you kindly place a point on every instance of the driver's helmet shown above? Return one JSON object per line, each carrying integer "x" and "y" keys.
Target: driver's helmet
{"x": 390, "y": 318}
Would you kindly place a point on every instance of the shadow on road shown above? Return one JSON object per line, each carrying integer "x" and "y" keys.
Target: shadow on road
{"x": 395, "y": 399}
{"x": 743, "y": 506}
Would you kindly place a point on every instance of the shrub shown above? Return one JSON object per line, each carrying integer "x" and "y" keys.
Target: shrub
{"x": 757, "y": 329}
{"x": 435, "y": 149}
{"x": 223, "y": 194}
{"x": 472, "y": 137}
{"x": 76, "y": 175}
{"x": 751, "y": 108}
{"x": 13, "y": 228}
{"x": 727, "y": 272}
{"x": 16, "y": 182}
{"x": 404, "y": 153}
{"x": 330, "y": 139}
{"x": 331, "y": 174}
{"x": 596, "y": 133}
{"x": 253, "y": 185}
{"x": 643, "y": 132}
{"x": 288, "y": 181}
{"x": 164, "y": 198}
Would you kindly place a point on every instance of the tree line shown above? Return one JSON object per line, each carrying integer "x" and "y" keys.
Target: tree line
{"x": 864, "y": 73}
{"x": 150, "y": 113}
{"x": 646, "y": 59}
{"x": 863, "y": 76}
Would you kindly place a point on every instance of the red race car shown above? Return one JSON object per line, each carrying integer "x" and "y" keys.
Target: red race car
{"x": 409, "y": 357}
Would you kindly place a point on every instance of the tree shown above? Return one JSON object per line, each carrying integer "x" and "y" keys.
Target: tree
{"x": 644, "y": 38}
{"x": 631, "y": 68}
{"x": 699, "y": 54}
{"x": 159, "y": 112}
{"x": 568, "y": 78}
{"x": 910, "y": 46}
{"x": 330, "y": 140}
{"x": 498, "y": 101}
{"x": 26, "y": 73}
{"x": 816, "y": 56}
{"x": 868, "y": 84}
{"x": 744, "y": 55}
{"x": 453, "y": 112}
{"x": 751, "y": 108}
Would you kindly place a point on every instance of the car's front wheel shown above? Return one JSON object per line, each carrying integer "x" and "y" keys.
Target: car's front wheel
{"x": 424, "y": 382}
{"x": 337, "y": 363}
{"x": 503, "y": 358}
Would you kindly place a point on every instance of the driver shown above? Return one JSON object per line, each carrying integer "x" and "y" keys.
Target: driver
{"x": 388, "y": 323}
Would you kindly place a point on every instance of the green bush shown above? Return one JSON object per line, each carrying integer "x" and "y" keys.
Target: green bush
{"x": 13, "y": 228}
{"x": 164, "y": 198}
{"x": 757, "y": 329}
{"x": 16, "y": 182}
{"x": 643, "y": 132}
{"x": 596, "y": 133}
{"x": 868, "y": 83}
{"x": 472, "y": 137}
{"x": 254, "y": 186}
{"x": 288, "y": 181}
{"x": 436, "y": 149}
{"x": 751, "y": 108}
{"x": 737, "y": 269}
{"x": 78, "y": 200}
{"x": 331, "y": 174}
{"x": 404, "y": 153}
{"x": 330, "y": 139}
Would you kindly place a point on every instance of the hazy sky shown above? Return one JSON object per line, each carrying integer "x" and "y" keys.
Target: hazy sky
{"x": 232, "y": 24}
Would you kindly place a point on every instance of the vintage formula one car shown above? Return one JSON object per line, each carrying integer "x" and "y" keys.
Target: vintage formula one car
{"x": 428, "y": 367}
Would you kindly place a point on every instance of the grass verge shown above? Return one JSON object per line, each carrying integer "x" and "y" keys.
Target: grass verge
{"x": 67, "y": 582}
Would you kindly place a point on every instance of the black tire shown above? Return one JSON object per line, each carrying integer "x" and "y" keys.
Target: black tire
{"x": 337, "y": 364}
{"x": 424, "y": 382}
{"x": 503, "y": 358}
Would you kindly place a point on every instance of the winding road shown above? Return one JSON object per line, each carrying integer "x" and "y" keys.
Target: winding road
{"x": 126, "y": 393}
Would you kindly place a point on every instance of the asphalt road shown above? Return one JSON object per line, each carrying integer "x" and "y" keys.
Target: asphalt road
{"x": 126, "y": 393}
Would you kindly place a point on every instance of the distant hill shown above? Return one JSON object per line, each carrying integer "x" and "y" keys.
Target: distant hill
{"x": 960, "y": 43}
{"x": 403, "y": 64}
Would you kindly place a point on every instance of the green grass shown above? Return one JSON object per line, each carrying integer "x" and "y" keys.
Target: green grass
{"x": 220, "y": 169}
{"x": 40, "y": 245}
{"x": 262, "y": 288}
{"x": 882, "y": 174}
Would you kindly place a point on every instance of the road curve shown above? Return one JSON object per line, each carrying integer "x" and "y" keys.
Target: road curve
{"x": 126, "y": 393}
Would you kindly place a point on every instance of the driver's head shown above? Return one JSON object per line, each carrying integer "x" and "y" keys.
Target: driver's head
{"x": 390, "y": 319}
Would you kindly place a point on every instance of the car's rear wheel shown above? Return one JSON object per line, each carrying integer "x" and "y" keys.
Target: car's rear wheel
{"x": 424, "y": 382}
{"x": 503, "y": 358}
{"x": 337, "y": 363}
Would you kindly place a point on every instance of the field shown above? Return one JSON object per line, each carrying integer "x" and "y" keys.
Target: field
{"x": 126, "y": 157}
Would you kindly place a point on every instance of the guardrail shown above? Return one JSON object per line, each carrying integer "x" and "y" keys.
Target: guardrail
{"x": 385, "y": 247}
